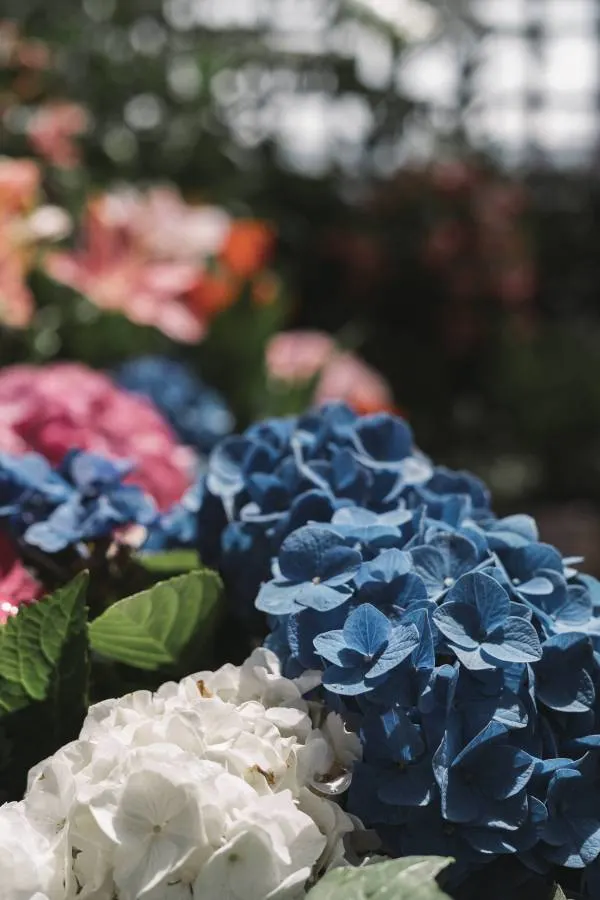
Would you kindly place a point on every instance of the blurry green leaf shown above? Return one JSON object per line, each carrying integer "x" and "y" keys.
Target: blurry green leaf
{"x": 170, "y": 561}
{"x": 411, "y": 878}
{"x": 153, "y": 628}
{"x": 43, "y": 651}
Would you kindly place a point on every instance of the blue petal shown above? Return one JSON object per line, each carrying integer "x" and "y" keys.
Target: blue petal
{"x": 277, "y": 598}
{"x": 350, "y": 682}
{"x": 225, "y": 474}
{"x": 367, "y": 630}
{"x": 331, "y": 645}
{"x": 402, "y": 642}
{"x": 472, "y": 659}
{"x": 459, "y": 623}
{"x": 515, "y": 642}
{"x": 315, "y": 551}
{"x": 321, "y": 597}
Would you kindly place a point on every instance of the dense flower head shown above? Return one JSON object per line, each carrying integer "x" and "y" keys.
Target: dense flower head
{"x": 463, "y": 650}
{"x": 283, "y": 473}
{"x": 82, "y": 500}
{"x": 198, "y": 791}
{"x": 55, "y": 408}
{"x": 197, "y": 413}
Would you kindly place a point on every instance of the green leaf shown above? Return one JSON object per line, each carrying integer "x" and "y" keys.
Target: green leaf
{"x": 170, "y": 561}
{"x": 153, "y": 628}
{"x": 43, "y": 650}
{"x": 411, "y": 878}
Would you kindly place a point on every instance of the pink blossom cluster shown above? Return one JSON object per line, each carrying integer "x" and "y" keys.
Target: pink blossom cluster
{"x": 297, "y": 357}
{"x": 165, "y": 263}
{"x": 64, "y": 406}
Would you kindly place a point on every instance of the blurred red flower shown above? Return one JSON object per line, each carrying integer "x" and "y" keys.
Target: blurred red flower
{"x": 17, "y": 586}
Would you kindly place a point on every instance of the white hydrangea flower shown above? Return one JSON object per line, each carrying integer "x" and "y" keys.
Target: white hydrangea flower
{"x": 198, "y": 791}
{"x": 30, "y": 862}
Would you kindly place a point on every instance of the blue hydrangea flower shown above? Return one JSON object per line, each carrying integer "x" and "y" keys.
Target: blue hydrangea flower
{"x": 483, "y": 782}
{"x": 83, "y": 500}
{"x": 198, "y": 414}
{"x": 463, "y": 651}
{"x": 572, "y": 834}
{"x": 477, "y": 624}
{"x": 364, "y": 651}
{"x": 315, "y": 566}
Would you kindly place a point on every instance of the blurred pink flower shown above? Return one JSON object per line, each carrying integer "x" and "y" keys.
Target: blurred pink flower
{"x": 351, "y": 380}
{"x": 163, "y": 262}
{"x": 20, "y": 181}
{"x": 296, "y": 357}
{"x": 59, "y": 407}
{"x": 17, "y": 586}
{"x": 112, "y": 271}
{"x": 166, "y": 227}
{"x": 24, "y": 226}
{"x": 53, "y": 129}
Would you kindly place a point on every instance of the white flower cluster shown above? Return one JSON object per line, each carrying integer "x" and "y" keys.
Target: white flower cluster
{"x": 197, "y": 792}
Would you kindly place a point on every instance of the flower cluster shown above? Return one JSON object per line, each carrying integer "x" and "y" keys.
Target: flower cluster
{"x": 197, "y": 413}
{"x": 463, "y": 650}
{"x": 55, "y": 408}
{"x": 283, "y": 473}
{"x": 84, "y": 499}
{"x": 165, "y": 263}
{"x": 198, "y": 791}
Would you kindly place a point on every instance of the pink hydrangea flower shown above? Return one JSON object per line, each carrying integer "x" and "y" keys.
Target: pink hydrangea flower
{"x": 59, "y": 407}
{"x": 299, "y": 356}
{"x": 17, "y": 586}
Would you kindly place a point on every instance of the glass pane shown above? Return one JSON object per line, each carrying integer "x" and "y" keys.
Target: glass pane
{"x": 500, "y": 13}
{"x": 571, "y": 14}
{"x": 570, "y": 64}
{"x": 568, "y": 135}
{"x": 431, "y": 75}
{"x": 505, "y": 63}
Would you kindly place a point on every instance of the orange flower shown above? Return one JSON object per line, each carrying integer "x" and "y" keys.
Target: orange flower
{"x": 213, "y": 293}
{"x": 247, "y": 248}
